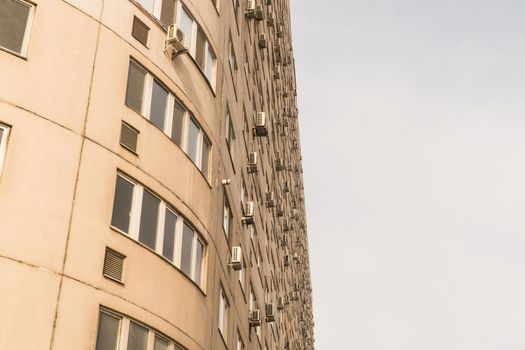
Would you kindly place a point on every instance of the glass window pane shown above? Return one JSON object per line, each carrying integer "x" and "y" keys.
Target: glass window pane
{"x": 186, "y": 25}
{"x": 210, "y": 66}
{"x": 147, "y": 4}
{"x": 135, "y": 88}
{"x": 122, "y": 204}
{"x": 193, "y": 138}
{"x": 198, "y": 261}
{"x": 178, "y": 120}
{"x": 108, "y": 329}
{"x": 161, "y": 344}
{"x": 13, "y": 21}
{"x": 205, "y": 156}
{"x": 167, "y": 11}
{"x": 1, "y": 135}
{"x": 148, "y": 219}
{"x": 159, "y": 100}
{"x": 187, "y": 245}
{"x": 138, "y": 337}
{"x": 200, "y": 53}
{"x": 169, "y": 235}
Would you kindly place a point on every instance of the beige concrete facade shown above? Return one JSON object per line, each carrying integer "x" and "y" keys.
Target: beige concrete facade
{"x": 63, "y": 99}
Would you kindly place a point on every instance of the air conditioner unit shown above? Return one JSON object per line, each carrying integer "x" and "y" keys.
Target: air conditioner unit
{"x": 279, "y": 163}
{"x": 247, "y": 212}
{"x": 270, "y": 315}
{"x": 262, "y": 41}
{"x": 250, "y": 8}
{"x": 270, "y": 199}
{"x": 260, "y": 124}
{"x": 279, "y": 211}
{"x": 252, "y": 163}
{"x": 280, "y": 303}
{"x": 259, "y": 12}
{"x": 271, "y": 19}
{"x": 280, "y": 31}
{"x": 236, "y": 262}
{"x": 255, "y": 318}
{"x": 174, "y": 44}
{"x": 284, "y": 240}
{"x": 286, "y": 225}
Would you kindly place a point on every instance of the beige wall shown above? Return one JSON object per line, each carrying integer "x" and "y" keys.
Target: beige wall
{"x": 65, "y": 104}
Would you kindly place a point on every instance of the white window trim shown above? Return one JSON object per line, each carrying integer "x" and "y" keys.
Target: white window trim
{"x": 27, "y": 32}
{"x": 134, "y": 227}
{"x": 3, "y": 145}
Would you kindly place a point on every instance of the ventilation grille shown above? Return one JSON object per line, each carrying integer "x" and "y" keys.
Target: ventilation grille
{"x": 129, "y": 137}
{"x": 140, "y": 31}
{"x": 113, "y": 265}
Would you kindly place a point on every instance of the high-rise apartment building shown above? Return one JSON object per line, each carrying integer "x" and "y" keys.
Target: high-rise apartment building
{"x": 151, "y": 193}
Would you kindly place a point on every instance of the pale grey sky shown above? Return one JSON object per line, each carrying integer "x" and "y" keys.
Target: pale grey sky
{"x": 413, "y": 138}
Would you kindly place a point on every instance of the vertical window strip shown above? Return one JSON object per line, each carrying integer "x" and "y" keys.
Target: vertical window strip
{"x": 145, "y": 218}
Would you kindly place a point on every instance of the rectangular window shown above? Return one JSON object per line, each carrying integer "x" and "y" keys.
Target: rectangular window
{"x": 227, "y": 217}
{"x": 15, "y": 25}
{"x": 117, "y": 331}
{"x": 239, "y": 345}
{"x": 230, "y": 135}
{"x": 198, "y": 45}
{"x": 223, "y": 315}
{"x": 147, "y": 219}
{"x": 4, "y": 132}
{"x": 163, "y": 10}
{"x": 232, "y": 60}
{"x": 148, "y": 97}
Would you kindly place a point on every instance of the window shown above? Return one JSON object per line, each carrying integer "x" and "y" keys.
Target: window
{"x": 227, "y": 217}
{"x": 15, "y": 25}
{"x": 239, "y": 345}
{"x": 232, "y": 60}
{"x": 137, "y": 212}
{"x": 223, "y": 314}
{"x": 4, "y": 132}
{"x": 148, "y": 97}
{"x": 198, "y": 45}
{"x": 119, "y": 332}
{"x": 230, "y": 135}
{"x": 164, "y": 10}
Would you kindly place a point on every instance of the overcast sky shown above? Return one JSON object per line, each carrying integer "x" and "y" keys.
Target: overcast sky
{"x": 412, "y": 120}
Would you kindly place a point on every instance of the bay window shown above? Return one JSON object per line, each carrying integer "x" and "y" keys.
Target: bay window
{"x": 144, "y": 217}
{"x": 147, "y": 96}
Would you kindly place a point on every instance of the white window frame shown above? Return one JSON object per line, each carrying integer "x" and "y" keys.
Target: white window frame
{"x": 192, "y": 46}
{"x": 134, "y": 227}
{"x": 223, "y": 314}
{"x": 123, "y": 332}
{"x": 227, "y": 216}
{"x": 27, "y": 32}
{"x": 145, "y": 111}
{"x": 3, "y": 145}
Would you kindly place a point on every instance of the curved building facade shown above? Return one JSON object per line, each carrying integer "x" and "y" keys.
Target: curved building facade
{"x": 151, "y": 192}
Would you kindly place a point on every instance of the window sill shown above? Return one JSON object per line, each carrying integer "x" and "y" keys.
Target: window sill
{"x": 16, "y": 54}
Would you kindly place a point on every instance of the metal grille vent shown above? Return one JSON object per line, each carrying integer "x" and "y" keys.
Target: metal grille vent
{"x": 129, "y": 137}
{"x": 113, "y": 265}
{"x": 140, "y": 31}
